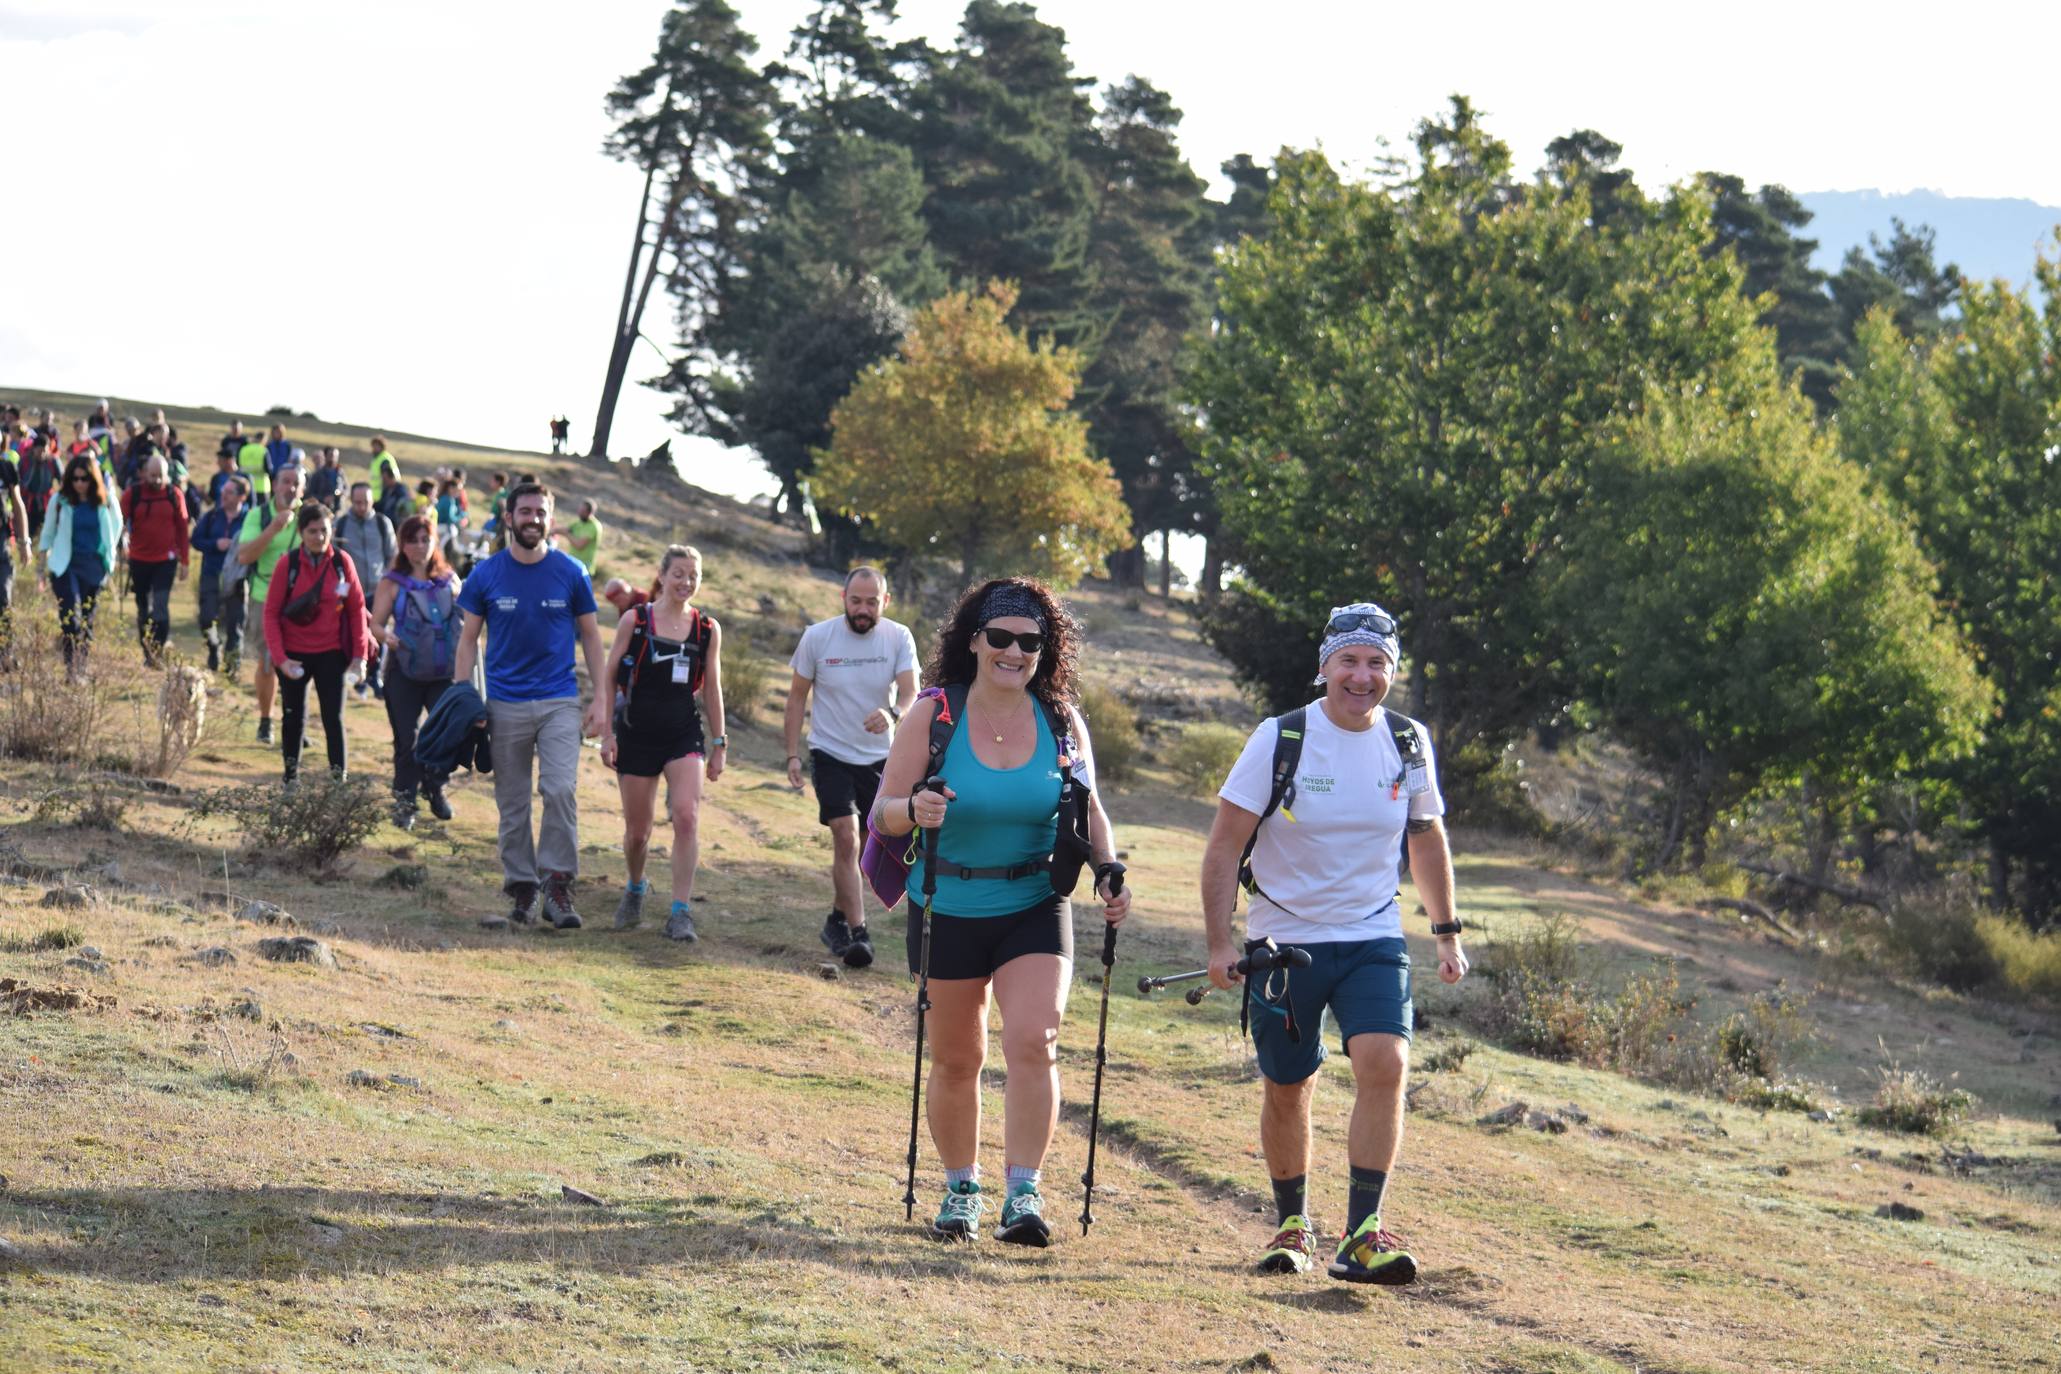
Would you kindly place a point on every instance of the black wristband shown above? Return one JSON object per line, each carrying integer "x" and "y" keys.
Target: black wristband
{"x": 893, "y": 714}
{"x": 912, "y": 808}
{"x": 1446, "y": 928}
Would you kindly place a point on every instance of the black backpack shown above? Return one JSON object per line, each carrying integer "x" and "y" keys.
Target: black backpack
{"x": 1070, "y": 846}
{"x": 1409, "y": 742}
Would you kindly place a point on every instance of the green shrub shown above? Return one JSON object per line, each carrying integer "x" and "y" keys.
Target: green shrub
{"x": 1915, "y": 1103}
{"x": 2028, "y": 962}
{"x": 1755, "y": 1041}
{"x": 1112, "y": 733}
{"x": 747, "y": 679}
{"x": 313, "y": 824}
{"x": 1766, "y": 1096}
{"x": 406, "y": 877}
{"x": 43, "y": 941}
{"x": 1202, "y": 755}
{"x": 1938, "y": 936}
{"x": 1446, "y": 1056}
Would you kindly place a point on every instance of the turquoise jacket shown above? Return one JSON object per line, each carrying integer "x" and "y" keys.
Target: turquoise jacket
{"x": 57, "y": 535}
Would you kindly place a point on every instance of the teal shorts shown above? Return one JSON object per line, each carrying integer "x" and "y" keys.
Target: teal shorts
{"x": 1363, "y": 984}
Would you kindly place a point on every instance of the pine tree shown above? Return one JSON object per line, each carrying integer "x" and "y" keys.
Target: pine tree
{"x": 1760, "y": 229}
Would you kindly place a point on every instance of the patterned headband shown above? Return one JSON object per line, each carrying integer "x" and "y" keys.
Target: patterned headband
{"x": 1010, "y": 599}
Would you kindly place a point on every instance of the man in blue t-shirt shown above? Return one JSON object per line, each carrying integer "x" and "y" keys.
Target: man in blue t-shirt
{"x": 534, "y": 602}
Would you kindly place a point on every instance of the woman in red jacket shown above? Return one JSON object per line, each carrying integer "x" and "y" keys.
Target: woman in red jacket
{"x": 315, "y": 630}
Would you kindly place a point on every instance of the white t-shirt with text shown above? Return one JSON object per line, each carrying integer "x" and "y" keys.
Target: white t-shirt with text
{"x": 854, "y": 676}
{"x": 1331, "y": 872}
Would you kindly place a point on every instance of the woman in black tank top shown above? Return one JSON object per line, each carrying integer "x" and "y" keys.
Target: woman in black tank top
{"x": 667, "y": 657}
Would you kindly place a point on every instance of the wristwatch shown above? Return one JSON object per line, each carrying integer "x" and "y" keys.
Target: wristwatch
{"x": 1451, "y": 927}
{"x": 893, "y": 714}
{"x": 719, "y": 742}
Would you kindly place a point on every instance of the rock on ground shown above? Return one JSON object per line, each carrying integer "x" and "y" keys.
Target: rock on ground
{"x": 297, "y": 949}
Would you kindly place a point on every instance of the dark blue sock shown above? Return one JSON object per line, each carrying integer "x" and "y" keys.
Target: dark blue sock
{"x": 1363, "y": 1196}
{"x": 1291, "y": 1198}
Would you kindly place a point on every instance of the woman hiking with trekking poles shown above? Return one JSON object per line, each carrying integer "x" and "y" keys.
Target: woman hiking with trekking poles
{"x": 1002, "y": 675}
{"x": 415, "y": 615}
{"x": 667, "y": 653}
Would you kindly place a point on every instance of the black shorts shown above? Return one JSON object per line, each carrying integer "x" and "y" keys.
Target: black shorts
{"x": 644, "y": 753}
{"x": 843, "y": 789}
{"x": 975, "y": 946}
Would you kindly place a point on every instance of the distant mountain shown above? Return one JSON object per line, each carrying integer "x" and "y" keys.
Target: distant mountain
{"x": 1985, "y": 238}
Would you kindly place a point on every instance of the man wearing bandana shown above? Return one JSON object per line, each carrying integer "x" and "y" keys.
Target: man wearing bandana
{"x": 1325, "y": 869}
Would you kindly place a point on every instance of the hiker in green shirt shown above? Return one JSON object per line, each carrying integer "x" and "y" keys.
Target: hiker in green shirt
{"x": 250, "y": 461}
{"x": 583, "y": 536}
{"x": 268, "y": 534}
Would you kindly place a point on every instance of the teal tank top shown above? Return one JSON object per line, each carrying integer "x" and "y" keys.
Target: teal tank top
{"x": 999, "y": 817}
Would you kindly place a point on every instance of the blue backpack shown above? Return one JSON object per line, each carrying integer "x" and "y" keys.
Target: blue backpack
{"x": 426, "y": 621}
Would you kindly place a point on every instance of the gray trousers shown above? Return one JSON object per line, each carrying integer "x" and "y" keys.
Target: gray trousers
{"x": 546, "y": 733}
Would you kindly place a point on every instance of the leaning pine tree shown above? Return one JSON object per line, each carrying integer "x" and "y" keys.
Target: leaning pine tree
{"x": 962, "y": 447}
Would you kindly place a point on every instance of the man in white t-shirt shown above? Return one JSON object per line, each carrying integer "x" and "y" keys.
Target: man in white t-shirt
{"x": 862, "y": 669}
{"x": 1324, "y": 878}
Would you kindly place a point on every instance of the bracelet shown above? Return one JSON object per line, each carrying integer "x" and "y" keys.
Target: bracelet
{"x": 719, "y": 742}
{"x": 1451, "y": 927}
{"x": 912, "y": 808}
{"x": 893, "y": 714}
{"x": 794, "y": 758}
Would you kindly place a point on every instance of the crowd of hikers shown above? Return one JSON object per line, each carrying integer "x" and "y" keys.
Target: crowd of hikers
{"x": 974, "y": 797}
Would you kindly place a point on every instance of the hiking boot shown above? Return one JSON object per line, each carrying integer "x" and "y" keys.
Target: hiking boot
{"x": 959, "y": 1217}
{"x": 859, "y": 953}
{"x": 1372, "y": 1255}
{"x": 680, "y": 925}
{"x": 522, "y": 900}
{"x": 439, "y": 804}
{"x": 835, "y": 935}
{"x": 1023, "y": 1218}
{"x": 629, "y": 912}
{"x": 214, "y": 659}
{"x": 264, "y": 729}
{"x": 232, "y": 665}
{"x": 404, "y": 808}
{"x": 1293, "y": 1250}
{"x": 558, "y": 902}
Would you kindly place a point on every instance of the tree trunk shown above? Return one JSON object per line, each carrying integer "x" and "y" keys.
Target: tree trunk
{"x": 633, "y": 317}
{"x": 1999, "y": 894}
{"x": 1127, "y": 567}
{"x": 1166, "y": 564}
{"x": 625, "y": 327}
{"x": 1212, "y": 573}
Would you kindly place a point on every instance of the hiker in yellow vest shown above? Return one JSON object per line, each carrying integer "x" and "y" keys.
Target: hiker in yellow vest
{"x": 250, "y": 461}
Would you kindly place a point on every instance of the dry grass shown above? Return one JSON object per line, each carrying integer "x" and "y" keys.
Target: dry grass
{"x": 191, "y": 1188}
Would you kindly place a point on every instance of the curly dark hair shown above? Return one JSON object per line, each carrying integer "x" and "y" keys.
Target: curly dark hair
{"x": 951, "y": 657}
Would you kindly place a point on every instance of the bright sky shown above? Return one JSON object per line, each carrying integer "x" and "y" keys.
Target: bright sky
{"x": 397, "y": 214}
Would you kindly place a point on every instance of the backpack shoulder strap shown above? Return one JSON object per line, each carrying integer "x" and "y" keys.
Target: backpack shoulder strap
{"x": 1409, "y": 736}
{"x": 943, "y": 725}
{"x": 1288, "y": 732}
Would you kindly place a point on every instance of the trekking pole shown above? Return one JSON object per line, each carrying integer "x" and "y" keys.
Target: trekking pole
{"x": 922, "y": 1000}
{"x": 1116, "y": 885}
{"x": 1259, "y": 961}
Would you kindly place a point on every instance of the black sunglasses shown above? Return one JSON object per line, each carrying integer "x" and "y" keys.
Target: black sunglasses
{"x": 1002, "y": 639}
{"x": 1347, "y": 621}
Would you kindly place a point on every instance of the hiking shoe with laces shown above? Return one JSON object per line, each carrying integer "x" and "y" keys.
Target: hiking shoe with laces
{"x": 404, "y": 808}
{"x": 1023, "y": 1218}
{"x": 629, "y": 912}
{"x": 558, "y": 902}
{"x": 264, "y": 729}
{"x": 859, "y": 953}
{"x": 959, "y": 1217}
{"x": 439, "y": 804}
{"x": 522, "y": 900}
{"x": 1293, "y": 1250}
{"x": 1372, "y": 1255}
{"x": 836, "y": 935}
{"x": 680, "y": 925}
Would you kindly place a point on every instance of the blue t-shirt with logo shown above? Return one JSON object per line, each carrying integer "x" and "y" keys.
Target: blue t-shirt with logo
{"x": 531, "y": 610}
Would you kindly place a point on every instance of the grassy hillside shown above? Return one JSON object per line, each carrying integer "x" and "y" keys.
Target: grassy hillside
{"x": 269, "y": 1166}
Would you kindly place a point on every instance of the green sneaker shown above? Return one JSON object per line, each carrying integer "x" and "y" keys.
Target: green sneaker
{"x": 1372, "y": 1255}
{"x": 1023, "y": 1218}
{"x": 959, "y": 1217}
{"x": 1293, "y": 1250}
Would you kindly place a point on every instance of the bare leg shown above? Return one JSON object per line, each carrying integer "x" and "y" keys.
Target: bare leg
{"x": 685, "y": 779}
{"x": 1285, "y": 1127}
{"x": 958, "y": 1026}
{"x": 639, "y": 796}
{"x": 266, "y": 684}
{"x": 845, "y": 889}
{"x": 1031, "y": 992}
{"x": 1381, "y": 1066}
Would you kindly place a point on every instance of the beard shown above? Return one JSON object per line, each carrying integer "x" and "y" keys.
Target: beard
{"x": 861, "y": 623}
{"x": 529, "y": 536}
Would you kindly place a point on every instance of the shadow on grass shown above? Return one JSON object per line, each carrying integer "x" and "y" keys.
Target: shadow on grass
{"x": 153, "y": 1235}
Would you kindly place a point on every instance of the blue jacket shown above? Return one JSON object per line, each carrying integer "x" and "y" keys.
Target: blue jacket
{"x": 454, "y": 735}
{"x": 57, "y": 535}
{"x": 210, "y": 527}
{"x": 278, "y": 454}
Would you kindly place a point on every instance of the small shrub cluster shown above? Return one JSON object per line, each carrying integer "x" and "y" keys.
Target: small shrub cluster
{"x": 1202, "y": 755}
{"x": 1915, "y": 1103}
{"x": 2028, "y": 962}
{"x": 1112, "y": 733}
{"x": 47, "y": 714}
{"x": 1946, "y": 936}
{"x": 43, "y": 941}
{"x": 747, "y": 679}
{"x": 314, "y": 823}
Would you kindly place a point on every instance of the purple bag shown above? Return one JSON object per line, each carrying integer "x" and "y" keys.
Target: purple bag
{"x": 885, "y": 860}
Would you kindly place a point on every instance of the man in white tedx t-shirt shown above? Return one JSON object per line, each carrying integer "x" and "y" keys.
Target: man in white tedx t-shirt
{"x": 862, "y": 669}
{"x": 1324, "y": 875}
